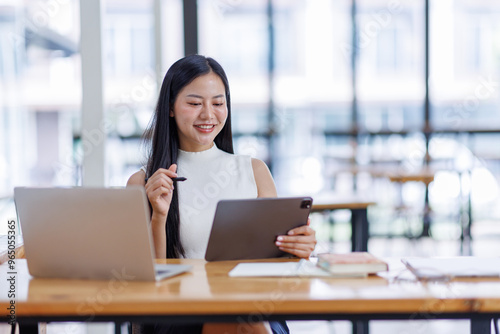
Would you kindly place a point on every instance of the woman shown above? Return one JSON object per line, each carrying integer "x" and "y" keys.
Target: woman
{"x": 190, "y": 136}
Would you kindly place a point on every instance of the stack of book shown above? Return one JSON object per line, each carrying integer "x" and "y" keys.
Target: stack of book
{"x": 356, "y": 264}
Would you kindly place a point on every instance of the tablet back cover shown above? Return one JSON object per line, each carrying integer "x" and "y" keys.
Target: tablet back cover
{"x": 247, "y": 229}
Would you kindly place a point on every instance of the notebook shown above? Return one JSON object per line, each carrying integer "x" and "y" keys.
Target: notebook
{"x": 247, "y": 228}
{"x": 89, "y": 233}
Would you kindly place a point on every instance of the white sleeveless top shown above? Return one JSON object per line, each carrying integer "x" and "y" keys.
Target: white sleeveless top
{"x": 211, "y": 175}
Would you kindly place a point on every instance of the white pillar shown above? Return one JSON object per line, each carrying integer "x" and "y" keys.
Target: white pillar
{"x": 93, "y": 126}
{"x": 158, "y": 14}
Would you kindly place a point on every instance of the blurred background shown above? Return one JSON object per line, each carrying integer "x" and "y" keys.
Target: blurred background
{"x": 338, "y": 97}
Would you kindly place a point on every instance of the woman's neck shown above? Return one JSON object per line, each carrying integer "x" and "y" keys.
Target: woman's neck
{"x": 198, "y": 148}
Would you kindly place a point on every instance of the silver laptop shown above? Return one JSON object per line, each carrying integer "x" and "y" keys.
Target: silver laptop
{"x": 89, "y": 233}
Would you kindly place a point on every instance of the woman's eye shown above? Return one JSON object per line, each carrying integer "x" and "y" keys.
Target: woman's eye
{"x": 194, "y": 103}
{"x": 217, "y": 104}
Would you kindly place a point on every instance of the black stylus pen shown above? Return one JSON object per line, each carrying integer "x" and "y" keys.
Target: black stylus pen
{"x": 180, "y": 178}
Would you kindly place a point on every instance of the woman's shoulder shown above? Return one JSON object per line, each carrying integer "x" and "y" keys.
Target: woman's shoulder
{"x": 137, "y": 179}
{"x": 259, "y": 165}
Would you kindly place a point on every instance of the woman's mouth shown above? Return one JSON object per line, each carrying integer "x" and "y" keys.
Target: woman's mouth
{"x": 205, "y": 127}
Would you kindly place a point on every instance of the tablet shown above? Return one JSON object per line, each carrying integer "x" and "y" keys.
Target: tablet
{"x": 247, "y": 228}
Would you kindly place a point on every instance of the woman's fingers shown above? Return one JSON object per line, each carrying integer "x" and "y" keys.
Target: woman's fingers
{"x": 160, "y": 186}
{"x": 300, "y": 250}
{"x": 159, "y": 192}
{"x": 158, "y": 181}
{"x": 159, "y": 189}
{"x": 302, "y": 253}
{"x": 161, "y": 178}
{"x": 302, "y": 230}
{"x": 170, "y": 172}
{"x": 163, "y": 174}
{"x": 300, "y": 241}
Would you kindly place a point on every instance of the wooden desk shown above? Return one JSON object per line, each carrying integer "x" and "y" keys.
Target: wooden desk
{"x": 208, "y": 294}
{"x": 19, "y": 249}
{"x": 424, "y": 178}
{"x": 359, "y": 218}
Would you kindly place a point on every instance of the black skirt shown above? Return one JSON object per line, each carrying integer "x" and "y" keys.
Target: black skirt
{"x": 278, "y": 327}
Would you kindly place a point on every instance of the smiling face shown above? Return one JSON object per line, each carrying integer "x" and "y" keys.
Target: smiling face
{"x": 200, "y": 112}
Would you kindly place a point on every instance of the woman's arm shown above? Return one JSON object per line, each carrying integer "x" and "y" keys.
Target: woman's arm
{"x": 263, "y": 179}
{"x": 159, "y": 189}
{"x": 300, "y": 241}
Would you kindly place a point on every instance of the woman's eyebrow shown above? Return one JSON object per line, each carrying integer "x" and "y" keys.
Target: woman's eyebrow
{"x": 195, "y": 95}
{"x": 201, "y": 97}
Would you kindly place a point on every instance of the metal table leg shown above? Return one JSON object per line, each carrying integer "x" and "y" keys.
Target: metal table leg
{"x": 360, "y": 233}
{"x": 480, "y": 326}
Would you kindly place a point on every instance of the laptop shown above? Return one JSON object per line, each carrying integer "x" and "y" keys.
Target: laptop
{"x": 247, "y": 228}
{"x": 89, "y": 233}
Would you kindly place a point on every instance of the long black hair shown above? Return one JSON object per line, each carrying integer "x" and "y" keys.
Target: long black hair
{"x": 162, "y": 139}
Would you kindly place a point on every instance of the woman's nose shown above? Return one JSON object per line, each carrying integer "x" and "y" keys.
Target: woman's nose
{"x": 207, "y": 111}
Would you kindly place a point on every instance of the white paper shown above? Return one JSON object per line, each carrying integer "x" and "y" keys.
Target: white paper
{"x": 459, "y": 266}
{"x": 303, "y": 268}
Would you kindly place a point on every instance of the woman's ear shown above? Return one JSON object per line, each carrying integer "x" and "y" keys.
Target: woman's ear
{"x": 171, "y": 113}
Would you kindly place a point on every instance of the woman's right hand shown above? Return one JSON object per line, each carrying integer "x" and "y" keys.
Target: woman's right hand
{"x": 159, "y": 189}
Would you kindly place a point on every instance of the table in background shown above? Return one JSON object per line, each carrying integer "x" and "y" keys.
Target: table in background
{"x": 425, "y": 176}
{"x": 208, "y": 294}
{"x": 359, "y": 217}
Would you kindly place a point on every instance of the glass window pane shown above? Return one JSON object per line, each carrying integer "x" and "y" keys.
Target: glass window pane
{"x": 40, "y": 93}
{"x": 391, "y": 68}
{"x": 132, "y": 77}
{"x": 39, "y": 96}
{"x": 465, "y": 64}
{"x": 313, "y": 89}
{"x": 130, "y": 84}
{"x": 235, "y": 33}
{"x": 312, "y": 59}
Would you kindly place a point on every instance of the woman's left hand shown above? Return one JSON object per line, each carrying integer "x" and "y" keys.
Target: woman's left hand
{"x": 299, "y": 241}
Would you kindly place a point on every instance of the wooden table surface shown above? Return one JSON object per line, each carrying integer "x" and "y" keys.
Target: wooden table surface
{"x": 337, "y": 205}
{"x": 337, "y": 201}
{"x": 208, "y": 291}
{"x": 426, "y": 177}
{"x": 19, "y": 248}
